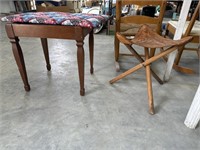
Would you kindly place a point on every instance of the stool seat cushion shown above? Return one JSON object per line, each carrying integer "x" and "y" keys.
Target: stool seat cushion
{"x": 58, "y": 18}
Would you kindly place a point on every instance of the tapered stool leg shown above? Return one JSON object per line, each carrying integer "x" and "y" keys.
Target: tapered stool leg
{"x": 81, "y": 61}
{"x": 18, "y": 54}
{"x": 19, "y": 58}
{"x": 46, "y": 52}
{"x": 91, "y": 50}
{"x": 149, "y": 83}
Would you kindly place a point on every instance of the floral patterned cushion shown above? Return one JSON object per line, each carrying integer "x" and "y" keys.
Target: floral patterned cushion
{"x": 59, "y": 18}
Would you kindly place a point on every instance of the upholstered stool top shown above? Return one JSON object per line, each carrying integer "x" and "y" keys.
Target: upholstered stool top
{"x": 58, "y": 18}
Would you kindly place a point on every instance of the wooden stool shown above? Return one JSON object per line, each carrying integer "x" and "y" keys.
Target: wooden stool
{"x": 148, "y": 39}
{"x": 72, "y": 26}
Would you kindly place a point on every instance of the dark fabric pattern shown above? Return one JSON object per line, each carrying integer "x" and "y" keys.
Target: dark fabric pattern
{"x": 58, "y": 18}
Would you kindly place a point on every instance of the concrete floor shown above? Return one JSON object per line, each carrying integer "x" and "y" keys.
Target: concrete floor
{"x": 53, "y": 116}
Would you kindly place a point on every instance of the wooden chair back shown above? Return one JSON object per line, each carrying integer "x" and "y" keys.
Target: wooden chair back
{"x": 196, "y": 39}
{"x": 192, "y": 21}
{"x": 128, "y": 25}
{"x": 139, "y": 19}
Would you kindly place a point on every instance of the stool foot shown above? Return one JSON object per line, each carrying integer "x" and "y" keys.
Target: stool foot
{"x": 48, "y": 67}
{"x": 151, "y": 111}
{"x": 27, "y": 87}
{"x": 82, "y": 92}
{"x": 92, "y": 70}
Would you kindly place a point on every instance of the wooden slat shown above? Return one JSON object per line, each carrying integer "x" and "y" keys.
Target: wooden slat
{"x": 141, "y": 2}
{"x": 140, "y": 19}
{"x": 50, "y": 31}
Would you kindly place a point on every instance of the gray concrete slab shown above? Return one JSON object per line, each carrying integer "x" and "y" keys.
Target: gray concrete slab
{"x": 53, "y": 116}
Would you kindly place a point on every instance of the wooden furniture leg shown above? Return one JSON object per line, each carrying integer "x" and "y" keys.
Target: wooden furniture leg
{"x": 18, "y": 54}
{"x": 179, "y": 54}
{"x": 140, "y": 59}
{"x": 145, "y": 63}
{"x": 91, "y": 50}
{"x": 19, "y": 58}
{"x": 152, "y": 52}
{"x": 149, "y": 83}
{"x": 177, "y": 67}
{"x": 177, "y": 60}
{"x": 46, "y": 52}
{"x": 80, "y": 60}
{"x": 198, "y": 52}
{"x": 117, "y": 54}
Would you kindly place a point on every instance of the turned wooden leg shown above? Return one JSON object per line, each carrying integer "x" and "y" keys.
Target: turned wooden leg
{"x": 80, "y": 60}
{"x": 20, "y": 61}
{"x": 149, "y": 84}
{"x": 91, "y": 50}
{"x": 152, "y": 52}
{"x": 198, "y": 51}
{"x": 116, "y": 49}
{"x": 46, "y": 52}
{"x": 17, "y": 52}
{"x": 179, "y": 54}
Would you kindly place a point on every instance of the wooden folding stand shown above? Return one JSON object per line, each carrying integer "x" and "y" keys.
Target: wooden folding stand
{"x": 147, "y": 38}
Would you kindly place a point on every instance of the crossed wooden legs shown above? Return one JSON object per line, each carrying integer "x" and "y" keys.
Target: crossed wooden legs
{"x": 146, "y": 63}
